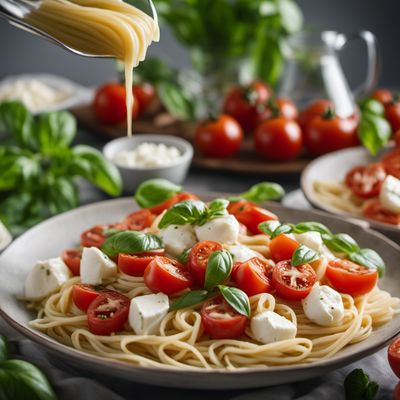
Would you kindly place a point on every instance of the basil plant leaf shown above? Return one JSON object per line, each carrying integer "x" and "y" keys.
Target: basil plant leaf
{"x": 285, "y": 228}
{"x": 357, "y": 386}
{"x": 264, "y": 191}
{"x": 130, "y": 242}
{"x": 269, "y": 227}
{"x": 219, "y": 267}
{"x": 303, "y": 255}
{"x": 155, "y": 191}
{"x": 186, "y": 212}
{"x": 3, "y": 349}
{"x": 373, "y": 106}
{"x": 217, "y": 208}
{"x": 237, "y": 299}
{"x": 374, "y": 132}
{"x": 341, "y": 243}
{"x": 369, "y": 258}
{"x": 62, "y": 195}
{"x": 184, "y": 257}
{"x": 189, "y": 299}
{"x": 312, "y": 227}
{"x": 20, "y": 380}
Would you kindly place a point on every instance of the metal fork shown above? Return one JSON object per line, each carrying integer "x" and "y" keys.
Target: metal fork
{"x": 14, "y": 11}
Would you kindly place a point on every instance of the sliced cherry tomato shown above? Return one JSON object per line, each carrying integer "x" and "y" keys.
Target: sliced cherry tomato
{"x": 373, "y": 209}
{"x": 394, "y": 356}
{"x": 293, "y": 283}
{"x": 236, "y": 206}
{"x": 391, "y": 162}
{"x": 108, "y": 313}
{"x": 198, "y": 258}
{"x": 328, "y": 132}
{"x": 83, "y": 295}
{"x": 219, "y": 138}
{"x": 145, "y": 94}
{"x": 135, "y": 265}
{"x": 315, "y": 109}
{"x": 110, "y": 104}
{"x": 244, "y": 104}
{"x": 139, "y": 220}
{"x": 392, "y": 113}
{"x": 278, "y": 139}
{"x": 221, "y": 321}
{"x": 349, "y": 277}
{"x": 72, "y": 259}
{"x": 366, "y": 181}
{"x": 167, "y": 275}
{"x": 252, "y": 216}
{"x": 94, "y": 237}
{"x": 254, "y": 276}
{"x": 282, "y": 247}
{"x": 383, "y": 95}
{"x": 177, "y": 198}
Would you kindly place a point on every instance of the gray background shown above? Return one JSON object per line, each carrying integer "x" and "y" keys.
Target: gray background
{"x": 21, "y": 52}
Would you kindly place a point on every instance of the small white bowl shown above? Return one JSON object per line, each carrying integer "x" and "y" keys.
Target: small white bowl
{"x": 133, "y": 177}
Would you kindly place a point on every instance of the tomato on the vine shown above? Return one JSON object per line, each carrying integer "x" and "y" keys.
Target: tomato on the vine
{"x": 314, "y": 109}
{"x": 383, "y": 95}
{"x": 145, "y": 94}
{"x": 281, "y": 107}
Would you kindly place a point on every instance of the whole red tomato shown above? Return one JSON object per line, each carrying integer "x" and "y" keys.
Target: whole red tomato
{"x": 280, "y": 107}
{"x": 145, "y": 94}
{"x": 383, "y": 95}
{"x": 278, "y": 139}
{"x": 220, "y": 138}
{"x": 110, "y": 104}
{"x": 328, "y": 132}
{"x": 246, "y": 104}
{"x": 314, "y": 109}
{"x": 392, "y": 113}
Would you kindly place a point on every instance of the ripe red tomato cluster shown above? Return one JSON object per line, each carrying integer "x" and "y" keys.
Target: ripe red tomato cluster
{"x": 280, "y": 131}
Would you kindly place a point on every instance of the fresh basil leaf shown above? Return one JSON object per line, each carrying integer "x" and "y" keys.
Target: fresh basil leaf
{"x": 369, "y": 258}
{"x": 373, "y": 106}
{"x": 264, "y": 191}
{"x": 341, "y": 243}
{"x": 356, "y": 386}
{"x": 303, "y": 255}
{"x": 268, "y": 227}
{"x": 20, "y": 380}
{"x": 184, "y": 256}
{"x": 55, "y": 130}
{"x": 130, "y": 242}
{"x": 219, "y": 267}
{"x": 371, "y": 391}
{"x": 3, "y": 349}
{"x": 374, "y": 132}
{"x": 91, "y": 165}
{"x": 155, "y": 191}
{"x": 284, "y": 228}
{"x": 237, "y": 299}
{"x": 189, "y": 299}
{"x": 311, "y": 227}
{"x": 218, "y": 205}
{"x": 62, "y": 195}
{"x": 186, "y": 212}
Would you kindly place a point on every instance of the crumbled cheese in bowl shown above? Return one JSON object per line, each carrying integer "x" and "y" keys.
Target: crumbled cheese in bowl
{"x": 148, "y": 155}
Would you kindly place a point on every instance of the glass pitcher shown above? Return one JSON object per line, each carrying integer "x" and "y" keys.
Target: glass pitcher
{"x": 313, "y": 69}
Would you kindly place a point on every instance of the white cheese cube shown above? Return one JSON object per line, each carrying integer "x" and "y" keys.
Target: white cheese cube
{"x": 96, "y": 266}
{"x": 5, "y": 237}
{"x": 178, "y": 238}
{"x": 390, "y": 194}
{"x": 324, "y": 306}
{"x": 270, "y": 327}
{"x": 241, "y": 253}
{"x": 312, "y": 240}
{"x": 147, "y": 312}
{"x": 46, "y": 277}
{"x": 224, "y": 230}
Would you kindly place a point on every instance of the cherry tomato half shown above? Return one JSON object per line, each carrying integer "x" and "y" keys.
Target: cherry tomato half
{"x": 278, "y": 139}
{"x": 72, "y": 259}
{"x": 83, "y": 295}
{"x": 252, "y": 216}
{"x": 293, "y": 283}
{"x": 374, "y": 210}
{"x": 220, "y": 138}
{"x": 254, "y": 276}
{"x": 135, "y": 264}
{"x": 94, "y": 237}
{"x": 383, "y": 95}
{"x": 108, "y": 313}
{"x": 236, "y": 206}
{"x": 166, "y": 275}
{"x": 177, "y": 198}
{"x": 139, "y": 220}
{"x": 282, "y": 247}
{"x": 391, "y": 162}
{"x": 198, "y": 259}
{"x": 315, "y": 109}
{"x": 394, "y": 356}
{"x": 145, "y": 94}
{"x": 366, "y": 181}
{"x": 349, "y": 277}
{"x": 221, "y": 321}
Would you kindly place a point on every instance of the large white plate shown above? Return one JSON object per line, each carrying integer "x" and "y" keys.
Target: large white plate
{"x": 52, "y": 236}
{"x": 333, "y": 167}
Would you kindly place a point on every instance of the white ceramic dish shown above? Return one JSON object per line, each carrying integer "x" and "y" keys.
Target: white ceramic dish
{"x": 64, "y": 230}
{"x": 133, "y": 177}
{"x": 333, "y": 167}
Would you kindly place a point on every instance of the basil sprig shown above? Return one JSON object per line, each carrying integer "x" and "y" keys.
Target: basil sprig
{"x": 184, "y": 256}
{"x": 303, "y": 255}
{"x": 338, "y": 243}
{"x": 189, "y": 299}
{"x": 358, "y": 386}
{"x": 130, "y": 242}
{"x": 219, "y": 267}
{"x": 22, "y": 380}
{"x": 261, "y": 192}
{"x": 237, "y": 299}
{"x": 155, "y": 191}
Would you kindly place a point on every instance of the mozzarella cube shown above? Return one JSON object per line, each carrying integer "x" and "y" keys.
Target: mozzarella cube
{"x": 270, "y": 327}
{"x": 46, "y": 277}
{"x": 178, "y": 238}
{"x": 5, "y": 237}
{"x": 147, "y": 312}
{"x": 241, "y": 253}
{"x": 224, "y": 230}
{"x": 96, "y": 266}
{"x": 324, "y": 306}
{"x": 312, "y": 240}
{"x": 390, "y": 194}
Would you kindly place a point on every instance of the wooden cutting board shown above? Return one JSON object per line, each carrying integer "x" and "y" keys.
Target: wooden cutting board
{"x": 247, "y": 161}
